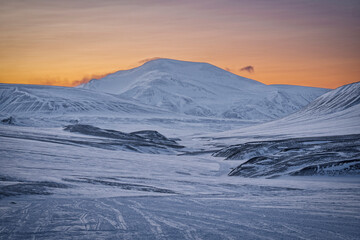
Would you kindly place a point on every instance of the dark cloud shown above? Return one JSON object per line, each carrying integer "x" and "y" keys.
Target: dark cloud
{"x": 249, "y": 69}
{"x": 148, "y": 60}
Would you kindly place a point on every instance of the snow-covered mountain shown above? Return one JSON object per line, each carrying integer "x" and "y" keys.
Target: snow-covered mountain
{"x": 202, "y": 89}
{"x": 30, "y": 100}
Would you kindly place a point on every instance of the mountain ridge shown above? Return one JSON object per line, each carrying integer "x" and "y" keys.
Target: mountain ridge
{"x": 32, "y": 100}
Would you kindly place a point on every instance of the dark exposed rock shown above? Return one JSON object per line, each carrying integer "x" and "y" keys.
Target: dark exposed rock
{"x": 153, "y": 136}
{"x": 347, "y": 167}
{"x": 29, "y": 188}
{"x": 130, "y": 141}
{"x": 95, "y": 131}
{"x": 328, "y": 155}
{"x": 122, "y": 185}
{"x": 9, "y": 120}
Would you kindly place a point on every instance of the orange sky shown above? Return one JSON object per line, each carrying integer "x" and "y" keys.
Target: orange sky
{"x": 303, "y": 42}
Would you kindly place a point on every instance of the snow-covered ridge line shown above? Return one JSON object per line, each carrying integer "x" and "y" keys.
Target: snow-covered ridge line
{"x": 37, "y": 99}
{"x": 340, "y": 99}
{"x": 336, "y": 112}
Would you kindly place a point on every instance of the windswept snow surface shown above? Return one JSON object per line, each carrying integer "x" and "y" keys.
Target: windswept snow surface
{"x": 202, "y": 89}
{"x": 59, "y": 190}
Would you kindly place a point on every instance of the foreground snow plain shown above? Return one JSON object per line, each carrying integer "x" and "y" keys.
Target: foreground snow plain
{"x": 62, "y": 189}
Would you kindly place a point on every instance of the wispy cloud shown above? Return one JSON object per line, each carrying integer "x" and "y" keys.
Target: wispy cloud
{"x": 87, "y": 78}
{"x": 148, "y": 60}
{"x": 249, "y": 69}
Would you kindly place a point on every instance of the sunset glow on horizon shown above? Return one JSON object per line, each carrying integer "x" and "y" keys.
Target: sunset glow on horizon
{"x": 64, "y": 43}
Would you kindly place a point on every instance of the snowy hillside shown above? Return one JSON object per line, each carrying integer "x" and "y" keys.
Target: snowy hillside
{"x": 340, "y": 99}
{"x": 336, "y": 113}
{"x": 36, "y": 99}
{"x": 202, "y": 89}
{"x": 334, "y": 118}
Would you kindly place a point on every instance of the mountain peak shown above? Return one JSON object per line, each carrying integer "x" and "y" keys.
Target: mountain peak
{"x": 156, "y": 70}
{"x": 159, "y": 61}
{"x": 172, "y": 66}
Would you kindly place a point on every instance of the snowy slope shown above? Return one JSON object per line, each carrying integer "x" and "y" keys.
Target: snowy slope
{"x": 340, "y": 99}
{"x": 334, "y": 113}
{"x": 36, "y": 99}
{"x": 338, "y": 109}
{"x": 202, "y": 89}
{"x": 335, "y": 116}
